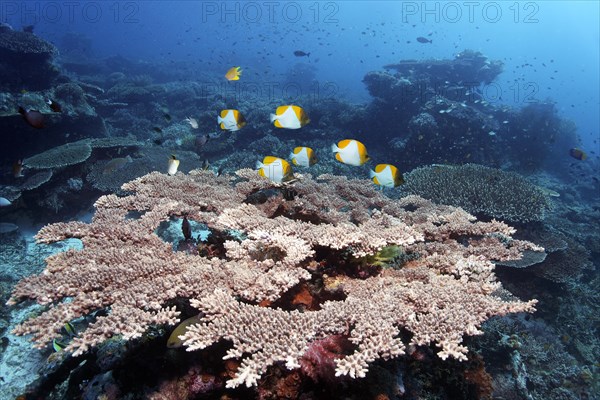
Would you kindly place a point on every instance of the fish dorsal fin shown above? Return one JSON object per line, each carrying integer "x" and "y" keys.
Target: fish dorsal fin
{"x": 281, "y": 109}
{"x": 269, "y": 160}
{"x": 380, "y": 167}
{"x": 342, "y": 144}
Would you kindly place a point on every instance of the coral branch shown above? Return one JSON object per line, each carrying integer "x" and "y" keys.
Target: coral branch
{"x": 444, "y": 289}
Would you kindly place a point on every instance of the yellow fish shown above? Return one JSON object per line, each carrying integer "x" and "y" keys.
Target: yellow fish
{"x": 233, "y": 74}
{"x": 289, "y": 117}
{"x": 386, "y": 175}
{"x": 173, "y": 165}
{"x": 303, "y": 156}
{"x": 174, "y": 341}
{"x": 231, "y": 120}
{"x": 276, "y": 169}
{"x": 351, "y": 152}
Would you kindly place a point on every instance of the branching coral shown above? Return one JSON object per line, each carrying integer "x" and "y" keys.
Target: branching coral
{"x": 445, "y": 291}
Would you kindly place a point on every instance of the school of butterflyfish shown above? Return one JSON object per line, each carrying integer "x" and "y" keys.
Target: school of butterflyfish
{"x": 278, "y": 170}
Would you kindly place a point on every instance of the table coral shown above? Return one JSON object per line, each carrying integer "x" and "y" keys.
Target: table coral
{"x": 445, "y": 290}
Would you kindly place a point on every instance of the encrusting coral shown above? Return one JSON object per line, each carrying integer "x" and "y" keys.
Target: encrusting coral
{"x": 284, "y": 235}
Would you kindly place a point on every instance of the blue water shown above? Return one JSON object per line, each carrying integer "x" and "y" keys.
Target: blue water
{"x": 550, "y": 48}
{"x": 551, "y": 54}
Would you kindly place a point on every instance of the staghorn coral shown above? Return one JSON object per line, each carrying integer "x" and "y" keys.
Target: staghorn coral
{"x": 478, "y": 189}
{"x": 445, "y": 291}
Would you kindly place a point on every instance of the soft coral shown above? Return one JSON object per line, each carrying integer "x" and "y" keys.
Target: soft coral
{"x": 318, "y": 360}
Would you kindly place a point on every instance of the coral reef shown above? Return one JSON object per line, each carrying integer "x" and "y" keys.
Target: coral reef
{"x": 25, "y": 61}
{"x": 326, "y": 257}
{"x": 467, "y": 66}
{"x": 145, "y": 160}
{"x": 61, "y": 156}
{"x": 77, "y": 121}
{"x": 36, "y": 180}
{"x": 293, "y": 235}
{"x": 565, "y": 265}
{"x": 450, "y": 119}
{"x": 134, "y": 91}
{"x": 480, "y": 190}
{"x": 53, "y": 180}
{"x": 72, "y": 96}
{"x": 530, "y": 359}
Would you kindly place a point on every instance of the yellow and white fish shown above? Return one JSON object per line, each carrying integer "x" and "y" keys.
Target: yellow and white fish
{"x": 233, "y": 74}
{"x": 303, "y": 156}
{"x": 173, "y": 165}
{"x": 351, "y": 152}
{"x": 231, "y": 120}
{"x": 386, "y": 175}
{"x": 276, "y": 169}
{"x": 289, "y": 117}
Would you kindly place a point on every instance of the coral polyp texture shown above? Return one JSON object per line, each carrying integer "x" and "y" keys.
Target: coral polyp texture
{"x": 268, "y": 239}
{"x": 479, "y": 189}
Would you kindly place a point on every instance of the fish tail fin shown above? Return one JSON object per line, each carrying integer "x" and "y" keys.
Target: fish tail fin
{"x": 334, "y": 148}
{"x": 219, "y": 119}
{"x": 272, "y": 117}
{"x": 259, "y": 165}
{"x": 372, "y": 174}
